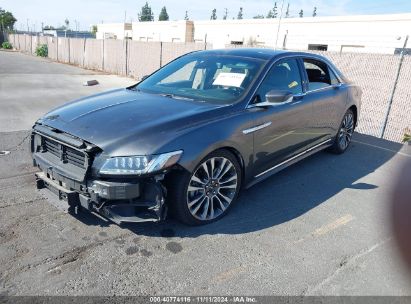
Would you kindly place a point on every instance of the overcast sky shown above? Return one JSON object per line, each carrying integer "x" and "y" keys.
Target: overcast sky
{"x": 88, "y": 12}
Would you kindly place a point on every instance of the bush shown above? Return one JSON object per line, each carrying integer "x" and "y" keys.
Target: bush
{"x": 407, "y": 138}
{"x": 42, "y": 50}
{"x": 6, "y": 45}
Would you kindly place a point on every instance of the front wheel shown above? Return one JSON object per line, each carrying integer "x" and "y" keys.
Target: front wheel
{"x": 344, "y": 135}
{"x": 206, "y": 195}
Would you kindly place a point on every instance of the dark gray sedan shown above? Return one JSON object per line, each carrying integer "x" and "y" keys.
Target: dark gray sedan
{"x": 187, "y": 138}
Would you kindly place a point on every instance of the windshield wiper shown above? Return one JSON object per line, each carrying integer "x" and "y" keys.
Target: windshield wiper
{"x": 175, "y": 96}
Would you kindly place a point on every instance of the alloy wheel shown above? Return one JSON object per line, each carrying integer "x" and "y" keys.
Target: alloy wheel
{"x": 346, "y": 131}
{"x": 212, "y": 188}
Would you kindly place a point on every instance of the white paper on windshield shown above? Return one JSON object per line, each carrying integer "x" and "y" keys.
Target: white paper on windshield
{"x": 229, "y": 79}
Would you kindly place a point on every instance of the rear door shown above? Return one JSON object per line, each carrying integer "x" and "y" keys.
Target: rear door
{"x": 327, "y": 95}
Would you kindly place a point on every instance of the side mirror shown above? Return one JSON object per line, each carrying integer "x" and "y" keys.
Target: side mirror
{"x": 279, "y": 96}
{"x": 275, "y": 97}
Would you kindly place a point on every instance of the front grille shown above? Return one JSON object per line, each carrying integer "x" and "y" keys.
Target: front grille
{"x": 65, "y": 153}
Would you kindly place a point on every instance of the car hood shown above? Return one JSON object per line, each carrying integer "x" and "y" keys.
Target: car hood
{"x": 126, "y": 122}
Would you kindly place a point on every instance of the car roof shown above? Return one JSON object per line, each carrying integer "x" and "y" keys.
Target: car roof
{"x": 258, "y": 53}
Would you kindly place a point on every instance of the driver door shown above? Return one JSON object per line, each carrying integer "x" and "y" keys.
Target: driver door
{"x": 283, "y": 128}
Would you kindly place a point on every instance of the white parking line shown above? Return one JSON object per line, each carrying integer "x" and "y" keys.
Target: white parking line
{"x": 382, "y": 148}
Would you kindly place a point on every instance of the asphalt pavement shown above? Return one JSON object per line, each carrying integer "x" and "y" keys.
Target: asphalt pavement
{"x": 321, "y": 227}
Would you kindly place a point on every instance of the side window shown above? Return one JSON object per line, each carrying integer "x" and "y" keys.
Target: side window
{"x": 319, "y": 74}
{"x": 285, "y": 75}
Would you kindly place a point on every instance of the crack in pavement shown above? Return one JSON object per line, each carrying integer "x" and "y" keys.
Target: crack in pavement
{"x": 346, "y": 262}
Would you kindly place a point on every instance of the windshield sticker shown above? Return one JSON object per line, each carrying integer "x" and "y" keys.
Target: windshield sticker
{"x": 229, "y": 79}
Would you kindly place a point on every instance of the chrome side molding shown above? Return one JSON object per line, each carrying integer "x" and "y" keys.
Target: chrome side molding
{"x": 294, "y": 157}
{"x": 256, "y": 128}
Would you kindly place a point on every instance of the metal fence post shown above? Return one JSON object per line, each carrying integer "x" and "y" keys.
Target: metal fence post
{"x": 161, "y": 54}
{"x": 84, "y": 51}
{"x": 68, "y": 42}
{"x": 205, "y": 42}
{"x": 126, "y": 69}
{"x": 387, "y": 114}
{"x": 102, "y": 63}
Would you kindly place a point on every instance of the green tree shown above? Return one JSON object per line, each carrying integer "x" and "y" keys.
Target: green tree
{"x": 7, "y": 20}
{"x": 146, "y": 13}
{"x": 163, "y": 15}
{"x": 213, "y": 14}
{"x": 315, "y": 11}
{"x": 67, "y": 23}
{"x": 240, "y": 14}
{"x": 186, "y": 16}
{"x": 225, "y": 14}
{"x": 287, "y": 12}
{"x": 258, "y": 17}
{"x": 94, "y": 29}
{"x": 275, "y": 14}
{"x": 301, "y": 13}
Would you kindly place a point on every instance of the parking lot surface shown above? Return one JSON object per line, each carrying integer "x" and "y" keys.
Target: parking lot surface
{"x": 321, "y": 227}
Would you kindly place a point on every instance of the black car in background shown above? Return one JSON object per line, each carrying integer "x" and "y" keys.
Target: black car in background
{"x": 187, "y": 138}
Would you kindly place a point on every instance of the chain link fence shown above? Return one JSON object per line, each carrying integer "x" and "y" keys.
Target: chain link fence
{"x": 376, "y": 75}
{"x": 386, "y": 102}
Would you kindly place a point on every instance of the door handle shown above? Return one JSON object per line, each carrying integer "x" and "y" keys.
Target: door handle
{"x": 256, "y": 128}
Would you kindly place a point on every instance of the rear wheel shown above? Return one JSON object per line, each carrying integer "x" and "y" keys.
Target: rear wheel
{"x": 206, "y": 194}
{"x": 344, "y": 135}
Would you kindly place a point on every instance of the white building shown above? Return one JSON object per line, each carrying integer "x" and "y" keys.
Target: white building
{"x": 367, "y": 33}
{"x": 165, "y": 31}
{"x": 362, "y": 33}
{"x": 114, "y": 31}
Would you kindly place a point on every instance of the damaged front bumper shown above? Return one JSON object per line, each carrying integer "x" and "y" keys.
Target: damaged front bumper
{"x": 65, "y": 171}
{"x": 118, "y": 202}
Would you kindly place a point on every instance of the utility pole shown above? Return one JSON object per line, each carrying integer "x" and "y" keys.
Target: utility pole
{"x": 124, "y": 25}
{"x": 279, "y": 23}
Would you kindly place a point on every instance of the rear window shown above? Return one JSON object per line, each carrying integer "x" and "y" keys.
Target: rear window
{"x": 319, "y": 74}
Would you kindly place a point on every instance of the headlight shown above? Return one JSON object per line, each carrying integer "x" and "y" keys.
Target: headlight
{"x": 138, "y": 165}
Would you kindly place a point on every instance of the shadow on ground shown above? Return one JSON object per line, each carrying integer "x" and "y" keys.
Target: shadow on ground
{"x": 287, "y": 195}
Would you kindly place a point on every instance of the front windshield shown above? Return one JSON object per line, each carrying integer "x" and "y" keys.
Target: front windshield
{"x": 215, "y": 78}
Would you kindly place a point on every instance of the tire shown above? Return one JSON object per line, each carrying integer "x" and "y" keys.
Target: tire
{"x": 344, "y": 135}
{"x": 195, "y": 199}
